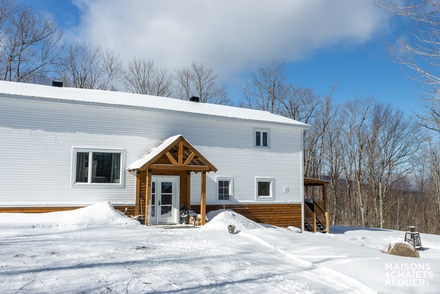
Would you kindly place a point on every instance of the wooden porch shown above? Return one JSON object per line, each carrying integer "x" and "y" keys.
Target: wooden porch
{"x": 316, "y": 218}
{"x": 174, "y": 156}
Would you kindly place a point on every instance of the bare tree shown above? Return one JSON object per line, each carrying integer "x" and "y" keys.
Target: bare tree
{"x": 392, "y": 142}
{"x": 354, "y": 139}
{"x": 29, "y": 44}
{"x": 5, "y": 6}
{"x": 112, "y": 70}
{"x": 268, "y": 88}
{"x": 300, "y": 103}
{"x": 419, "y": 50}
{"x": 143, "y": 77}
{"x": 89, "y": 67}
{"x": 198, "y": 80}
{"x": 332, "y": 149}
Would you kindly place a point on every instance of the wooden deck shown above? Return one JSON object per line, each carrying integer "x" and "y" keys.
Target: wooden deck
{"x": 316, "y": 218}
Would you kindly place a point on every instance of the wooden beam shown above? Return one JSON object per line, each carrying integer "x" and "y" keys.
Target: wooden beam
{"x": 180, "y": 144}
{"x": 148, "y": 196}
{"x": 171, "y": 158}
{"x": 190, "y": 157}
{"x": 203, "y": 200}
{"x": 180, "y": 157}
{"x": 314, "y": 223}
{"x": 188, "y": 195}
{"x": 314, "y": 216}
{"x": 138, "y": 193}
{"x": 180, "y": 167}
{"x": 327, "y": 223}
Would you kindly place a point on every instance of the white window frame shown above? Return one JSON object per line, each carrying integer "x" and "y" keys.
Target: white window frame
{"x": 89, "y": 184}
{"x": 231, "y": 188}
{"x": 271, "y": 195}
{"x": 261, "y": 131}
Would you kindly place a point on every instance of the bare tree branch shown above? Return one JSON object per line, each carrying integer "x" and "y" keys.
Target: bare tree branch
{"x": 201, "y": 81}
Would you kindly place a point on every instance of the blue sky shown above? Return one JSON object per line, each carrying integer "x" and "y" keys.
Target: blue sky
{"x": 323, "y": 42}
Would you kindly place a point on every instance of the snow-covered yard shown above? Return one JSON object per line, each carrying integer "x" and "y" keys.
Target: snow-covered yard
{"x": 98, "y": 250}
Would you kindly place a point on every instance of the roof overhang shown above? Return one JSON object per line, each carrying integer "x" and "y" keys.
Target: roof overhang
{"x": 314, "y": 182}
{"x": 174, "y": 153}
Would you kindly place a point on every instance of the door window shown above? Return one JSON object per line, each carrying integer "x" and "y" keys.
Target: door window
{"x": 164, "y": 205}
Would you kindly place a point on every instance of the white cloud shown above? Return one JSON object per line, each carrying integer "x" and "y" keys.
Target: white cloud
{"x": 227, "y": 35}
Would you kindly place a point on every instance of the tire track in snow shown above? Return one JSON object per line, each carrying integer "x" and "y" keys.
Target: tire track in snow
{"x": 320, "y": 275}
{"x": 225, "y": 267}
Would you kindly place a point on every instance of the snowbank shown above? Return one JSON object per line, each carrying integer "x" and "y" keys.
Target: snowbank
{"x": 89, "y": 250}
{"x": 221, "y": 219}
{"x": 98, "y": 214}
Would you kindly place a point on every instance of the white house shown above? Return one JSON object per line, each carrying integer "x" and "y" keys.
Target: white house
{"x": 63, "y": 148}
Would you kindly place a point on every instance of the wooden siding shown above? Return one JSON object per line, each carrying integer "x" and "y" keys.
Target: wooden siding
{"x": 127, "y": 210}
{"x": 281, "y": 215}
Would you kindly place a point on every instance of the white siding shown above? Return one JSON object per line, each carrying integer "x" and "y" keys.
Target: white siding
{"x": 243, "y": 165}
{"x": 37, "y": 139}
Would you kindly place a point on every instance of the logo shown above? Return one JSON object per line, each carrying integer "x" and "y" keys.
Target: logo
{"x": 408, "y": 274}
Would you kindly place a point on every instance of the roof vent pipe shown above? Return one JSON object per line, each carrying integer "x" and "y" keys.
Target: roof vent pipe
{"x": 57, "y": 84}
{"x": 194, "y": 99}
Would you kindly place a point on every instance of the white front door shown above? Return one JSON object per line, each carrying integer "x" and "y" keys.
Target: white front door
{"x": 164, "y": 206}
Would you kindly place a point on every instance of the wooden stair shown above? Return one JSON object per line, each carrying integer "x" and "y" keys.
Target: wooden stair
{"x": 315, "y": 218}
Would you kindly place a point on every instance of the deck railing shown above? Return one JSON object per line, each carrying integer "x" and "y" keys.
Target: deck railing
{"x": 315, "y": 217}
{"x": 321, "y": 215}
{"x": 309, "y": 218}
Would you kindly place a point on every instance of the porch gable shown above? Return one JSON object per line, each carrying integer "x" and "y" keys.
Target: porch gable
{"x": 173, "y": 155}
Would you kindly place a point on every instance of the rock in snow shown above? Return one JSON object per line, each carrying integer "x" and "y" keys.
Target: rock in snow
{"x": 403, "y": 249}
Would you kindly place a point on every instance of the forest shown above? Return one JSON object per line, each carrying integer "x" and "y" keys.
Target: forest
{"x": 383, "y": 165}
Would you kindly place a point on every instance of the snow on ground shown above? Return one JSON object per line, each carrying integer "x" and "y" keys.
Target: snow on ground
{"x": 98, "y": 250}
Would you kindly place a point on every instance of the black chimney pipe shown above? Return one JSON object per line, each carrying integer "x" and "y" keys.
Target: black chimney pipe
{"x": 57, "y": 84}
{"x": 194, "y": 99}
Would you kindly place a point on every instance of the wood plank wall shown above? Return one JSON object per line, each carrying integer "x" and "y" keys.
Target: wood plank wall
{"x": 130, "y": 209}
{"x": 281, "y": 215}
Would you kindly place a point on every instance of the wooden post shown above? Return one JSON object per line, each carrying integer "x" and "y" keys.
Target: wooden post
{"x": 324, "y": 196}
{"x": 180, "y": 154}
{"x": 203, "y": 200}
{"x": 314, "y": 216}
{"x": 188, "y": 189}
{"x": 314, "y": 222}
{"x": 327, "y": 223}
{"x": 148, "y": 196}
{"x": 138, "y": 193}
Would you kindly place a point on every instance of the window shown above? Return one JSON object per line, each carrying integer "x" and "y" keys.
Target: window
{"x": 262, "y": 138}
{"x": 97, "y": 167}
{"x": 224, "y": 188}
{"x": 264, "y": 188}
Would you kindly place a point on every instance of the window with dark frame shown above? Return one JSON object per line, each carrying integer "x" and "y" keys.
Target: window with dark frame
{"x": 261, "y": 138}
{"x": 264, "y": 189}
{"x": 224, "y": 190}
{"x": 98, "y": 167}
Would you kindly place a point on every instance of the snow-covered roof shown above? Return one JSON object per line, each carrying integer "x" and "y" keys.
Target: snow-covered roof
{"x": 152, "y": 153}
{"x": 138, "y": 100}
{"x": 166, "y": 145}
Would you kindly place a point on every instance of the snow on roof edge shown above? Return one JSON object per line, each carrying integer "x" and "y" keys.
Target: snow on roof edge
{"x": 152, "y": 153}
{"x": 143, "y": 101}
